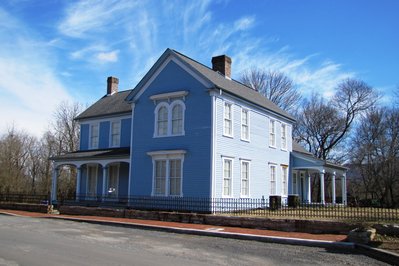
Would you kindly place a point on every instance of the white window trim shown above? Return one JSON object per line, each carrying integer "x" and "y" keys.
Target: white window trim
{"x": 90, "y": 135}
{"x": 248, "y": 124}
{"x": 272, "y": 133}
{"x": 169, "y": 108}
{"x": 284, "y": 147}
{"x": 95, "y": 167}
{"x": 275, "y": 178}
{"x": 231, "y": 120}
{"x": 231, "y": 176}
{"x": 284, "y": 187}
{"x": 117, "y": 177}
{"x": 167, "y": 156}
{"x": 248, "y": 179}
{"x": 169, "y": 95}
{"x": 110, "y": 132}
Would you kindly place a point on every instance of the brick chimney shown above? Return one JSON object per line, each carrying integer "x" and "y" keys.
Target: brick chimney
{"x": 112, "y": 85}
{"x": 222, "y": 64}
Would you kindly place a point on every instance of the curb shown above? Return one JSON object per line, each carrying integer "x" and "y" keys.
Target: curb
{"x": 379, "y": 254}
{"x": 178, "y": 230}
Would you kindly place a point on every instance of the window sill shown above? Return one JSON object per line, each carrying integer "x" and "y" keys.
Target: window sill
{"x": 228, "y": 136}
{"x": 169, "y": 136}
{"x": 272, "y": 147}
{"x": 245, "y": 140}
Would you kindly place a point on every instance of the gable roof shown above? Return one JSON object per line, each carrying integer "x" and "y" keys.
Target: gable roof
{"x": 108, "y": 105}
{"x": 218, "y": 80}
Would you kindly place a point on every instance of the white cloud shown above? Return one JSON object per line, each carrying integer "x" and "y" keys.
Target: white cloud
{"x": 93, "y": 16}
{"x": 29, "y": 88}
{"x": 108, "y": 57}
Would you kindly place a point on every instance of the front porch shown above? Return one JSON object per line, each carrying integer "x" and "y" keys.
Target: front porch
{"x": 100, "y": 175}
{"x": 315, "y": 180}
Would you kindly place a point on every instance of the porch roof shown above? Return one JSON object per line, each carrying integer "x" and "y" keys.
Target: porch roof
{"x": 303, "y": 159}
{"x": 93, "y": 155}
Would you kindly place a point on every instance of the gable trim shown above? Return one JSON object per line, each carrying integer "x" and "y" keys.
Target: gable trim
{"x": 170, "y": 58}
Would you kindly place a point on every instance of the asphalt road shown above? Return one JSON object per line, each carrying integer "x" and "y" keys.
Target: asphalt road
{"x": 33, "y": 241}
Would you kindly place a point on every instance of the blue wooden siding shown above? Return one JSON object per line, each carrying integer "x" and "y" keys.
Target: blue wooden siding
{"x": 84, "y": 137}
{"x": 196, "y": 142}
{"x": 126, "y": 132}
{"x": 256, "y": 151}
{"x": 104, "y": 135}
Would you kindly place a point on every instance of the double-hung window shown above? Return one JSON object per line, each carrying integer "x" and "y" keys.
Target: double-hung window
{"x": 244, "y": 178}
{"x": 244, "y": 124}
{"x": 284, "y": 177}
{"x": 284, "y": 136}
{"x": 228, "y": 120}
{"x": 94, "y": 136}
{"x": 294, "y": 183}
{"x": 272, "y": 180}
{"x": 272, "y": 133}
{"x": 227, "y": 176}
{"x": 115, "y": 133}
{"x": 167, "y": 172}
{"x": 177, "y": 119}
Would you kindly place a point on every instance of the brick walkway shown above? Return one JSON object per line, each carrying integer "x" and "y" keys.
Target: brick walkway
{"x": 203, "y": 227}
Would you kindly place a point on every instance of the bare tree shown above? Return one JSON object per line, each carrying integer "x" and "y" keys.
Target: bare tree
{"x": 375, "y": 156}
{"x": 66, "y": 128}
{"x": 275, "y": 86}
{"x": 323, "y": 125}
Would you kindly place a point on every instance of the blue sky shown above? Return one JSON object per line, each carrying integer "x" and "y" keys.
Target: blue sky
{"x": 53, "y": 51}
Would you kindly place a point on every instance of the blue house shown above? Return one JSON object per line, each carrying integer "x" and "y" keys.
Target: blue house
{"x": 190, "y": 131}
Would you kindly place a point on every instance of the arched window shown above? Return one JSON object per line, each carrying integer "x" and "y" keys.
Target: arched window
{"x": 169, "y": 119}
{"x": 177, "y": 119}
{"x": 162, "y": 122}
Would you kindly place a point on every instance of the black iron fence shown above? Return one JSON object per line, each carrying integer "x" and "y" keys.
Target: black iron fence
{"x": 24, "y": 198}
{"x": 273, "y": 207}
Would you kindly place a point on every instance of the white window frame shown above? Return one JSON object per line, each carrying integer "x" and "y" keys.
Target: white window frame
{"x": 283, "y": 136}
{"x": 90, "y": 168}
{"x": 167, "y": 156}
{"x": 247, "y": 125}
{"x": 117, "y": 179}
{"x": 284, "y": 180}
{"x": 228, "y": 120}
{"x": 273, "y": 179}
{"x": 229, "y": 179}
{"x": 169, "y": 107}
{"x": 272, "y": 133}
{"x": 111, "y": 133}
{"x": 91, "y": 131}
{"x": 243, "y": 195}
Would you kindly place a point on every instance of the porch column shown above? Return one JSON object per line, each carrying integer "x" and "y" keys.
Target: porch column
{"x": 309, "y": 189}
{"x": 105, "y": 177}
{"x": 343, "y": 184}
{"x": 323, "y": 199}
{"x": 78, "y": 180}
{"x": 333, "y": 189}
{"x": 54, "y": 185}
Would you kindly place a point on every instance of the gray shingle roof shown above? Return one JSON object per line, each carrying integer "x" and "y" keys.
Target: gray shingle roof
{"x": 94, "y": 154}
{"x": 234, "y": 87}
{"x": 298, "y": 148}
{"x": 108, "y": 105}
